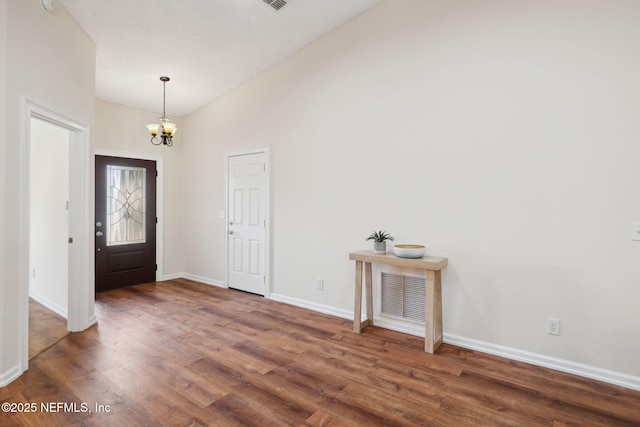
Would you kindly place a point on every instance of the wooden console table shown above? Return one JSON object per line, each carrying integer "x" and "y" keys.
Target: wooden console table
{"x": 433, "y": 303}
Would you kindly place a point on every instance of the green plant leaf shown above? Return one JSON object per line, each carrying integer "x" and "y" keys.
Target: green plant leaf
{"x": 380, "y": 236}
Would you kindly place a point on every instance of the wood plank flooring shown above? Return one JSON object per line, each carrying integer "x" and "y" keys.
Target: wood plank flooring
{"x": 45, "y": 328}
{"x": 180, "y": 353}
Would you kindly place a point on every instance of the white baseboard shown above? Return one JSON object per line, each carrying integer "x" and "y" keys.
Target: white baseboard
{"x": 39, "y": 298}
{"x": 195, "y": 278}
{"x": 93, "y": 320}
{"x": 406, "y": 327}
{"x": 326, "y": 309}
{"x": 587, "y": 371}
{"x": 599, "y": 374}
{"x": 8, "y": 377}
{"x": 173, "y": 276}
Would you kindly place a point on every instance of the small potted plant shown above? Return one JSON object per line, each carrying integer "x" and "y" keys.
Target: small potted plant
{"x": 380, "y": 241}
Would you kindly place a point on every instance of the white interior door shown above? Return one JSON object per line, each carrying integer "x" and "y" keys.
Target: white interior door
{"x": 246, "y": 212}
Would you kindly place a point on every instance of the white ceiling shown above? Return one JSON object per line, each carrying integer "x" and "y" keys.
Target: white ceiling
{"x": 206, "y": 47}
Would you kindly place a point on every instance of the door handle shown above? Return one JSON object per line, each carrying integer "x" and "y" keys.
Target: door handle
{"x": 99, "y": 234}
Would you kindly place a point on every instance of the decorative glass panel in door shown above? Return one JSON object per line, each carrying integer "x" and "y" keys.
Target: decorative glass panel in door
{"x": 126, "y": 189}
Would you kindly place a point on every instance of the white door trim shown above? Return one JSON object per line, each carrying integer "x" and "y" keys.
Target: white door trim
{"x": 159, "y": 199}
{"x": 242, "y": 152}
{"x": 81, "y": 296}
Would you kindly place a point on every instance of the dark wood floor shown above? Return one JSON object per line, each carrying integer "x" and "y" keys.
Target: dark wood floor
{"x": 179, "y": 353}
{"x": 45, "y": 328}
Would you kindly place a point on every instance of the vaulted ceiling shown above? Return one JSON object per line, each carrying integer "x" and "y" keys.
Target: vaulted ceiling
{"x": 206, "y": 47}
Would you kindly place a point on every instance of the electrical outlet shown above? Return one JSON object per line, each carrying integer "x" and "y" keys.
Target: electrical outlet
{"x": 320, "y": 284}
{"x": 553, "y": 326}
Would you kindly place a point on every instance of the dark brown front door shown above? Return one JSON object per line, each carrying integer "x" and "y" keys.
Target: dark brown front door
{"x": 125, "y": 224}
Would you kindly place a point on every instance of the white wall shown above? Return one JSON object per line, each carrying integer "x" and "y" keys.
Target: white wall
{"x": 501, "y": 134}
{"x": 3, "y": 142}
{"x": 49, "y": 61}
{"x": 122, "y": 129}
{"x": 49, "y": 222}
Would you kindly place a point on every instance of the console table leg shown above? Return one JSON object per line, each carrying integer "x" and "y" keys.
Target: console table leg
{"x": 357, "y": 312}
{"x": 433, "y": 312}
{"x": 437, "y": 310}
{"x": 369, "y": 291}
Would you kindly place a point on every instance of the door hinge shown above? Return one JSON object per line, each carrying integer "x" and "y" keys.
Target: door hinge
{"x": 156, "y": 220}
{"x": 264, "y": 279}
{"x": 70, "y": 239}
{"x": 156, "y": 174}
{"x": 156, "y": 267}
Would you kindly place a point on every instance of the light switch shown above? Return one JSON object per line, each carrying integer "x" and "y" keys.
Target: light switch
{"x": 635, "y": 231}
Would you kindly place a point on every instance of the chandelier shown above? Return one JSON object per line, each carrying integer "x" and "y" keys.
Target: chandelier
{"x": 165, "y": 128}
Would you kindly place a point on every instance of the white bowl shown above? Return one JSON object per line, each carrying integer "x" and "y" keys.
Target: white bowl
{"x": 409, "y": 251}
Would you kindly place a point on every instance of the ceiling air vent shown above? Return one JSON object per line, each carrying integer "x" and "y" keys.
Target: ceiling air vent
{"x": 276, "y": 4}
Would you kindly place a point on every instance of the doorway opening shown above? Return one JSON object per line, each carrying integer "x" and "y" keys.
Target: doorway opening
{"x": 55, "y": 184}
{"x": 49, "y": 215}
{"x": 159, "y": 203}
{"x": 49, "y": 233}
{"x": 125, "y": 222}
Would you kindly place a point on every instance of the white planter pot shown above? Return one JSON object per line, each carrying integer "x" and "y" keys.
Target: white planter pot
{"x": 379, "y": 247}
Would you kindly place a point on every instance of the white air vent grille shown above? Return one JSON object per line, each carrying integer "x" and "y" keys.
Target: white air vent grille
{"x": 276, "y": 4}
{"x": 403, "y": 296}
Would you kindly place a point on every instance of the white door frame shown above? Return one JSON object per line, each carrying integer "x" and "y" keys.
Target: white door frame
{"x": 159, "y": 199}
{"x": 242, "y": 152}
{"x": 81, "y": 313}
